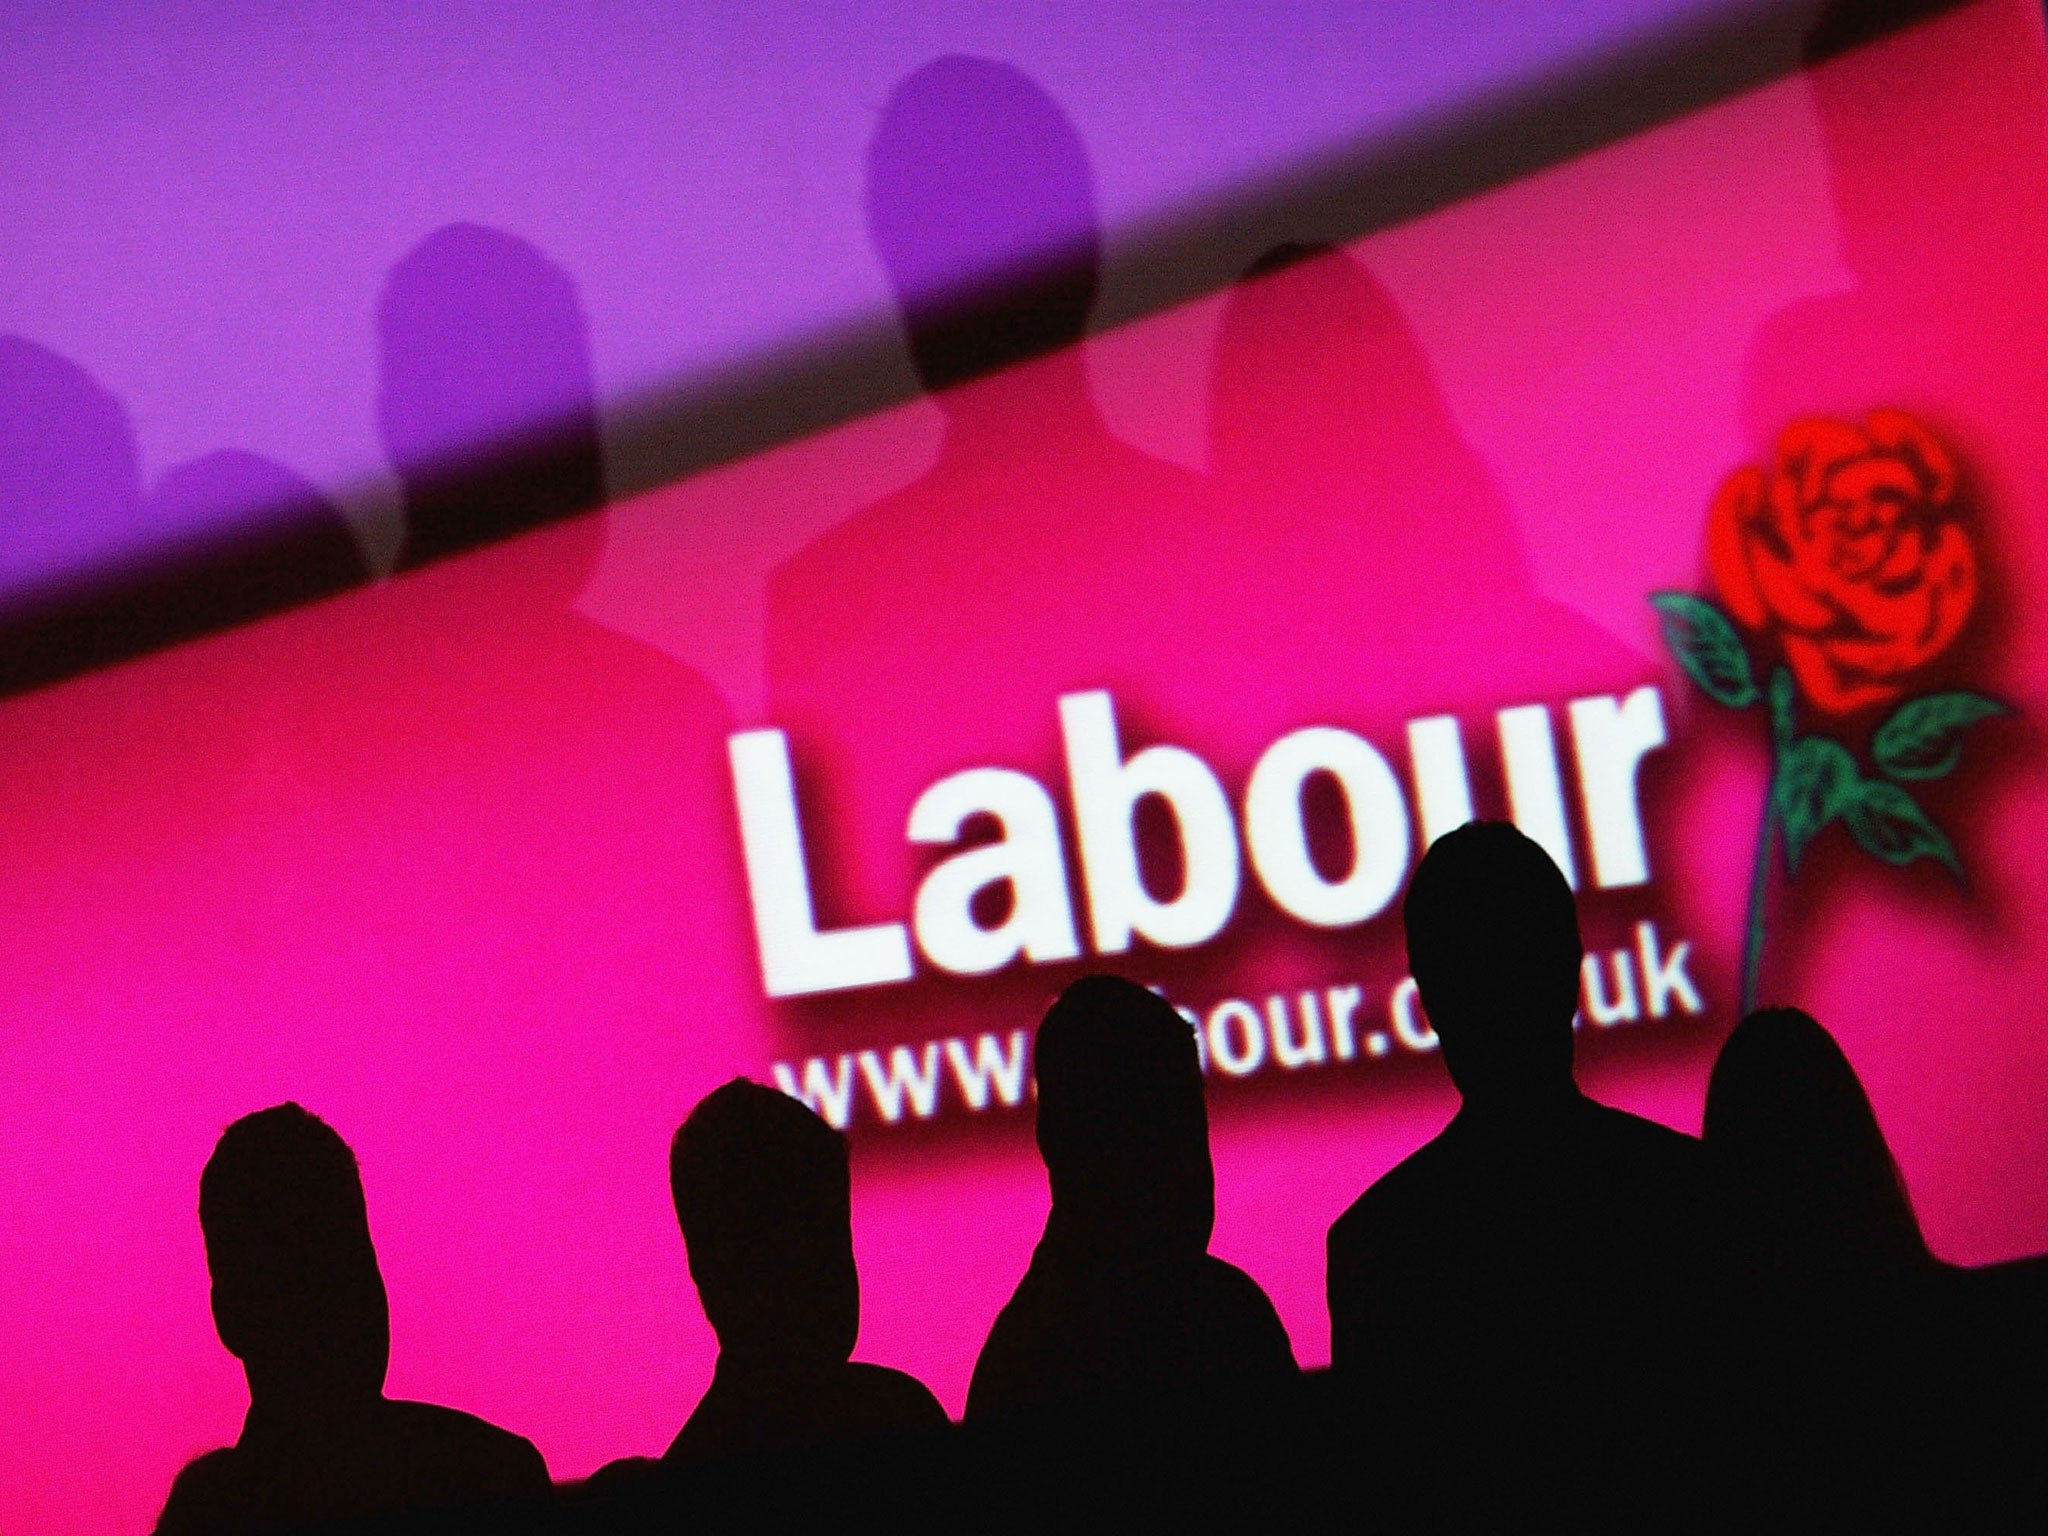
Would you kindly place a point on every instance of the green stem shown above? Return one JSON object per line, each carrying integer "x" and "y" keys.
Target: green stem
{"x": 1759, "y": 879}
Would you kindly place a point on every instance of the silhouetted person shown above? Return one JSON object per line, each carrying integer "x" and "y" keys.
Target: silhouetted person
{"x": 1853, "y": 1342}
{"x": 764, "y": 1199}
{"x": 484, "y": 395}
{"x": 298, "y": 1298}
{"x": 1123, "y": 1297}
{"x": 1946, "y": 315}
{"x": 1544, "y": 1257}
{"x": 1818, "y": 1189}
{"x": 502, "y": 812}
{"x": 1996, "y": 1320}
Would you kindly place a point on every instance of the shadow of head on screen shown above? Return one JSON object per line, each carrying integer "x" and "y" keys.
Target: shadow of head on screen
{"x": 1036, "y": 535}
{"x": 487, "y": 407}
{"x": 1935, "y": 302}
{"x": 764, "y": 1198}
{"x": 96, "y": 567}
{"x": 1339, "y": 457}
{"x": 1122, "y": 1298}
{"x": 486, "y": 399}
{"x": 299, "y": 1299}
{"x": 70, "y": 467}
{"x": 1328, "y": 425}
{"x": 975, "y": 170}
{"x": 264, "y": 535}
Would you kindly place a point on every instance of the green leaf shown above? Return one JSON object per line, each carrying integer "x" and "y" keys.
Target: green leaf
{"x": 1704, "y": 642}
{"x": 1889, "y": 823}
{"x": 1816, "y": 780}
{"x": 1924, "y": 737}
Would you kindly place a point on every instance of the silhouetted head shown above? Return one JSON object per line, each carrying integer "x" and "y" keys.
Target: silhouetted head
{"x": 763, "y": 1195}
{"x": 70, "y": 470}
{"x": 486, "y": 399}
{"x": 297, "y": 1296}
{"x": 1493, "y": 943}
{"x": 1121, "y": 1121}
{"x": 1790, "y": 1122}
{"x": 975, "y": 170}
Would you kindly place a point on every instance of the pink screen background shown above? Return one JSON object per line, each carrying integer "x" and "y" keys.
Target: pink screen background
{"x": 453, "y": 861}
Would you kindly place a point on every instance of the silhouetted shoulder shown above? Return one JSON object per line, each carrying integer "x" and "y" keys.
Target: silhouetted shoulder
{"x": 1553, "y": 1201}
{"x": 896, "y": 1402}
{"x": 471, "y": 1460}
{"x": 1652, "y": 1139}
{"x": 206, "y": 1495}
{"x": 1058, "y": 1339}
{"x": 616, "y": 1477}
{"x": 845, "y": 1401}
{"x": 1013, "y": 1345}
{"x": 1253, "y": 1340}
{"x": 1669, "y": 1169}
{"x": 1365, "y": 1241}
{"x": 1411, "y": 1186}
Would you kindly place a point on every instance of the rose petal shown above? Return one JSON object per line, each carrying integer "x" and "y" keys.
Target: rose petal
{"x": 1787, "y": 591}
{"x": 1796, "y": 589}
{"x": 1898, "y": 614}
{"x": 1736, "y": 505}
{"x": 1952, "y": 589}
{"x": 1856, "y": 547}
{"x": 1826, "y": 686}
{"x": 1867, "y": 478}
{"x": 1785, "y": 517}
{"x": 1907, "y": 629}
{"x": 1813, "y": 447}
{"x": 1906, "y": 436}
{"x": 1905, "y": 560}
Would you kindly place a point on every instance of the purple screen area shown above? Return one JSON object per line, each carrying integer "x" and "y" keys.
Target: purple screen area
{"x": 453, "y": 857}
{"x": 205, "y": 203}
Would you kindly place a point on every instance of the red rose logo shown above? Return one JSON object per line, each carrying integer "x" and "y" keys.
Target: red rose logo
{"x": 1849, "y": 552}
{"x": 1850, "y": 549}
